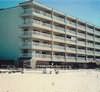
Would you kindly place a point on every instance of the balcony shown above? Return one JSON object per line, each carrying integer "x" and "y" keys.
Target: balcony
{"x": 90, "y": 52}
{"x": 58, "y": 48}
{"x": 37, "y": 24}
{"x": 90, "y": 38}
{"x": 59, "y": 29}
{"x": 69, "y": 41}
{"x": 58, "y": 58}
{"x": 71, "y": 32}
{"x": 80, "y": 51}
{"x": 59, "y": 39}
{"x": 42, "y": 56}
{"x": 42, "y": 14}
{"x": 97, "y": 33}
{"x": 89, "y": 30}
{"x": 97, "y": 46}
{"x": 90, "y": 60}
{"x": 82, "y": 28}
{"x": 39, "y": 46}
{"x": 97, "y": 53}
{"x": 81, "y": 43}
{"x": 71, "y": 59}
{"x": 71, "y": 24}
{"x": 90, "y": 45}
{"x": 80, "y": 59}
{"x": 36, "y": 34}
{"x": 38, "y": 13}
{"x": 70, "y": 50}
{"x": 80, "y": 35}
{"x": 97, "y": 39}
{"x": 42, "y": 25}
{"x": 59, "y": 20}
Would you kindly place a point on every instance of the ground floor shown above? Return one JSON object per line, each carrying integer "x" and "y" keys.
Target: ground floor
{"x": 33, "y": 63}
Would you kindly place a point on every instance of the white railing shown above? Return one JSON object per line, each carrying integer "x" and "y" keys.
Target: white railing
{"x": 59, "y": 18}
{"x": 90, "y": 44}
{"x": 71, "y": 32}
{"x": 59, "y": 28}
{"x": 81, "y": 43}
{"x": 81, "y": 35}
{"x": 97, "y": 52}
{"x": 59, "y": 47}
{"x": 42, "y": 13}
{"x": 58, "y": 57}
{"x": 97, "y": 46}
{"x": 80, "y": 51}
{"x": 43, "y": 56}
{"x": 70, "y": 49}
{"x": 42, "y": 34}
{"x": 81, "y": 27}
{"x": 70, "y": 41}
{"x": 42, "y": 23}
{"x": 97, "y": 32}
{"x": 97, "y": 39}
{"x": 71, "y": 23}
{"x": 89, "y": 37}
{"x": 58, "y": 37}
{"x": 89, "y": 30}
{"x": 90, "y": 52}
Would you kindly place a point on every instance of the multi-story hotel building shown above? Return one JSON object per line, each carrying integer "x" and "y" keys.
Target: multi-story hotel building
{"x": 36, "y": 35}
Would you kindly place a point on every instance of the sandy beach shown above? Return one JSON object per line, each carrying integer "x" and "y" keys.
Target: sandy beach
{"x": 65, "y": 81}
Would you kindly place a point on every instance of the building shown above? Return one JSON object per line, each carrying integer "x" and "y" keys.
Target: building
{"x": 35, "y": 35}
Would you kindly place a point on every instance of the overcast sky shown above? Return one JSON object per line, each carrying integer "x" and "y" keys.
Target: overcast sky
{"x": 88, "y": 10}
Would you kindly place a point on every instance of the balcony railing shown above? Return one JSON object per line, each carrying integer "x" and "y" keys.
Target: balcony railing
{"x": 30, "y": 33}
{"x": 59, "y": 19}
{"x": 97, "y": 39}
{"x": 61, "y": 29}
{"x": 80, "y": 51}
{"x": 70, "y": 49}
{"x": 81, "y": 43}
{"x": 90, "y": 52}
{"x": 81, "y": 35}
{"x": 97, "y": 32}
{"x": 42, "y": 23}
{"x": 71, "y": 59}
{"x": 81, "y": 27}
{"x": 90, "y": 30}
{"x": 42, "y": 56}
{"x": 97, "y": 46}
{"x": 71, "y": 24}
{"x": 58, "y": 57}
{"x": 90, "y": 44}
{"x": 59, "y": 47}
{"x": 70, "y": 41}
{"x": 42, "y": 13}
{"x": 36, "y": 45}
{"x": 59, "y": 38}
{"x": 71, "y": 32}
{"x": 97, "y": 53}
{"x": 89, "y": 37}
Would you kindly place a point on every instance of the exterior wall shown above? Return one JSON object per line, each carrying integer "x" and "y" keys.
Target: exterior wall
{"x": 48, "y": 35}
{"x": 10, "y": 33}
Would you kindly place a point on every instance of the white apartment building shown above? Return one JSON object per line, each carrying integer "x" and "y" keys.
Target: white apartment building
{"x": 39, "y": 36}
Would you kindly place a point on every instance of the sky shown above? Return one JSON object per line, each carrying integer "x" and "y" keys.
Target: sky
{"x": 87, "y": 10}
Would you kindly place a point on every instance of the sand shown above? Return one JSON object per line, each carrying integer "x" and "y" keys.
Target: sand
{"x": 65, "y": 81}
